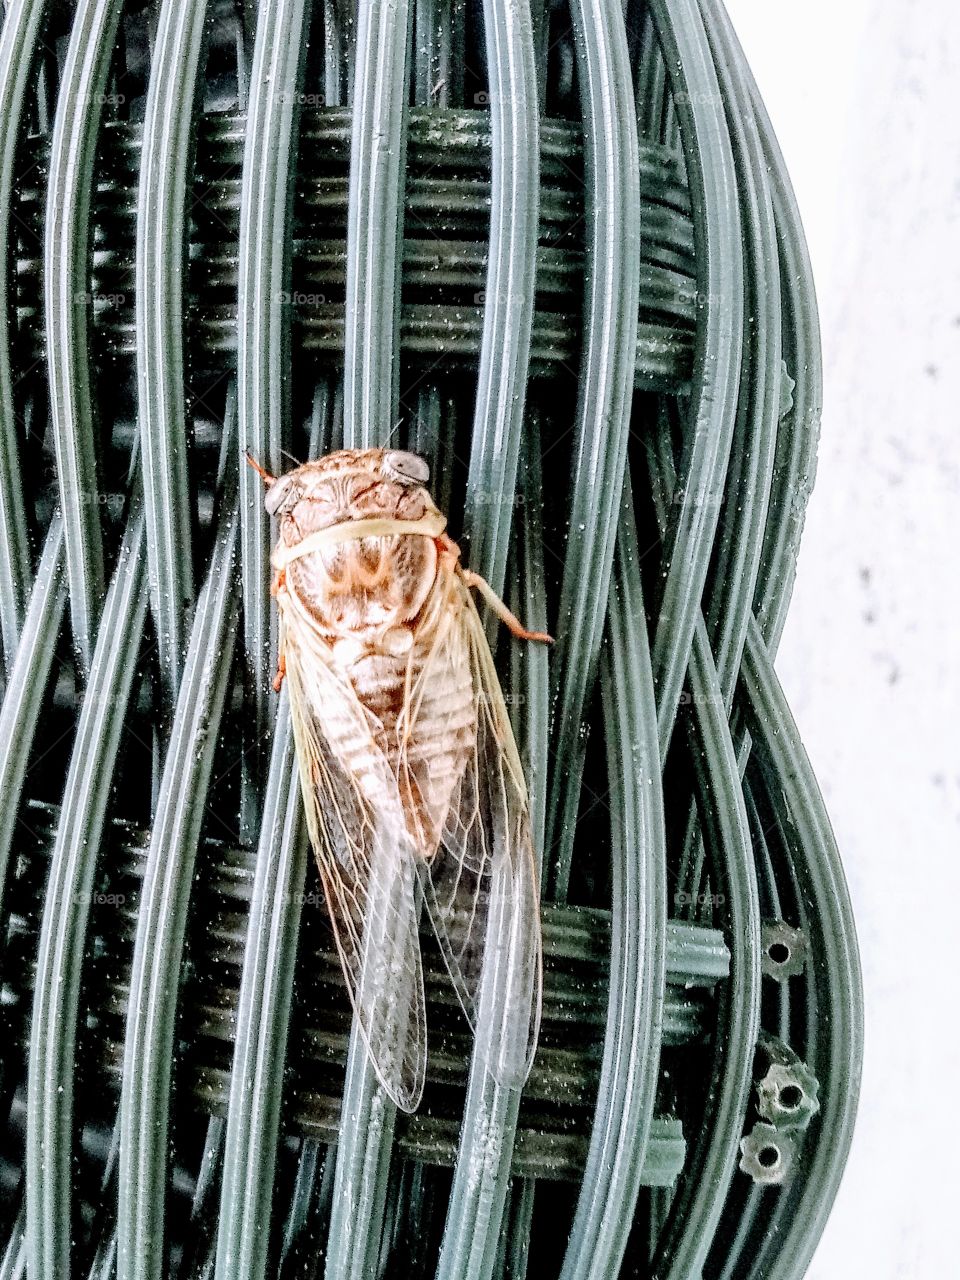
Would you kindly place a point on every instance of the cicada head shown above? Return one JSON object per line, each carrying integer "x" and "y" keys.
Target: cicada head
{"x": 350, "y": 484}
{"x": 364, "y": 584}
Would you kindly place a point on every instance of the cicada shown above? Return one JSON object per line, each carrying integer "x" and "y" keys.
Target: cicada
{"x": 412, "y": 783}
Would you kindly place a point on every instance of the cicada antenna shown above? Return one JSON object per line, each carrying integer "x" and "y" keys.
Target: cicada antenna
{"x": 262, "y": 472}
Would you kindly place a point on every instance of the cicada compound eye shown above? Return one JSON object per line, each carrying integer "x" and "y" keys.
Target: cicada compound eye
{"x": 408, "y": 468}
{"x": 281, "y": 496}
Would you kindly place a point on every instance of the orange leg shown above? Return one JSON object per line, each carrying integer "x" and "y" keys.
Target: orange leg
{"x": 500, "y": 609}
{"x": 281, "y": 672}
{"x": 447, "y": 547}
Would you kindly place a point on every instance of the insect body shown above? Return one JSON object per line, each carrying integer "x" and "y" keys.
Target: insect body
{"x": 412, "y": 784}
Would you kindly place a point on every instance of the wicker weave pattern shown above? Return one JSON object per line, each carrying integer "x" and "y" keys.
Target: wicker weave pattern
{"x": 553, "y": 248}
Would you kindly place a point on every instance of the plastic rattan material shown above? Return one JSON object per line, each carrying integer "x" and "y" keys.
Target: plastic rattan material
{"x": 552, "y": 247}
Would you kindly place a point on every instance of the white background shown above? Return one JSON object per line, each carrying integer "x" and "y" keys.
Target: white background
{"x": 865, "y": 98}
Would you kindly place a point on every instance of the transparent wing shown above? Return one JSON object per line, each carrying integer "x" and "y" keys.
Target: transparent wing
{"x": 481, "y": 887}
{"x": 365, "y": 858}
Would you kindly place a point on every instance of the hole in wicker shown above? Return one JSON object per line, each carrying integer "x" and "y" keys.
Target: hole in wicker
{"x": 791, "y": 1095}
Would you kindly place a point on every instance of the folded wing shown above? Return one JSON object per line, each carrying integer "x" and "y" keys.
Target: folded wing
{"x": 481, "y": 887}
{"x": 366, "y": 860}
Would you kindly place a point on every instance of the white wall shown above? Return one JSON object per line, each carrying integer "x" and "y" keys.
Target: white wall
{"x": 864, "y": 97}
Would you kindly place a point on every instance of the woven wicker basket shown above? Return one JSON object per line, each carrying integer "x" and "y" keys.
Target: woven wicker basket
{"x": 553, "y": 248}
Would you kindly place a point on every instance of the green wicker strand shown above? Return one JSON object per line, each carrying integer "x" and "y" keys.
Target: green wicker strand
{"x": 508, "y": 299}
{"x": 481, "y": 1177}
{"x": 162, "y": 917}
{"x": 263, "y": 1010}
{"x": 697, "y": 1210}
{"x": 162, "y": 230}
{"x": 263, "y": 327}
{"x": 478, "y": 1195}
{"x": 628, "y": 1080}
{"x": 374, "y": 222}
{"x": 67, "y": 241}
{"x": 66, "y": 913}
{"x": 369, "y": 407}
{"x": 26, "y": 685}
{"x": 604, "y": 399}
{"x": 794, "y": 794}
{"x": 262, "y": 1020}
{"x": 740, "y": 541}
{"x": 714, "y": 385}
{"x": 19, "y": 40}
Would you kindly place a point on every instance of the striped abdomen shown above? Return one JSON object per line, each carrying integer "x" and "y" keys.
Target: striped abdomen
{"x": 419, "y": 692}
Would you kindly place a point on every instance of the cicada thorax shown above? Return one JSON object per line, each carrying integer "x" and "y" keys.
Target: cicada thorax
{"x": 386, "y": 607}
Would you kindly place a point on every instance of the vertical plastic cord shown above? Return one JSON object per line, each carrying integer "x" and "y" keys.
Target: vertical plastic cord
{"x": 19, "y": 39}
{"x": 631, "y": 1058}
{"x": 161, "y": 261}
{"x": 736, "y": 558}
{"x": 262, "y": 1020}
{"x": 793, "y": 792}
{"x": 162, "y": 917}
{"x": 263, "y": 334}
{"x": 67, "y": 231}
{"x": 711, "y": 176}
{"x": 729, "y": 601}
{"x": 432, "y": 50}
{"x": 374, "y": 222}
{"x": 478, "y": 1194}
{"x": 794, "y": 469}
{"x": 374, "y": 244}
{"x": 27, "y": 682}
{"x": 263, "y": 1010}
{"x": 66, "y": 912}
{"x": 510, "y": 288}
{"x": 695, "y": 1212}
{"x": 604, "y": 399}
{"x": 482, "y": 1172}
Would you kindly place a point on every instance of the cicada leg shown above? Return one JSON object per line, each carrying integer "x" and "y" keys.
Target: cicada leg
{"x": 500, "y": 609}
{"x": 281, "y": 672}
